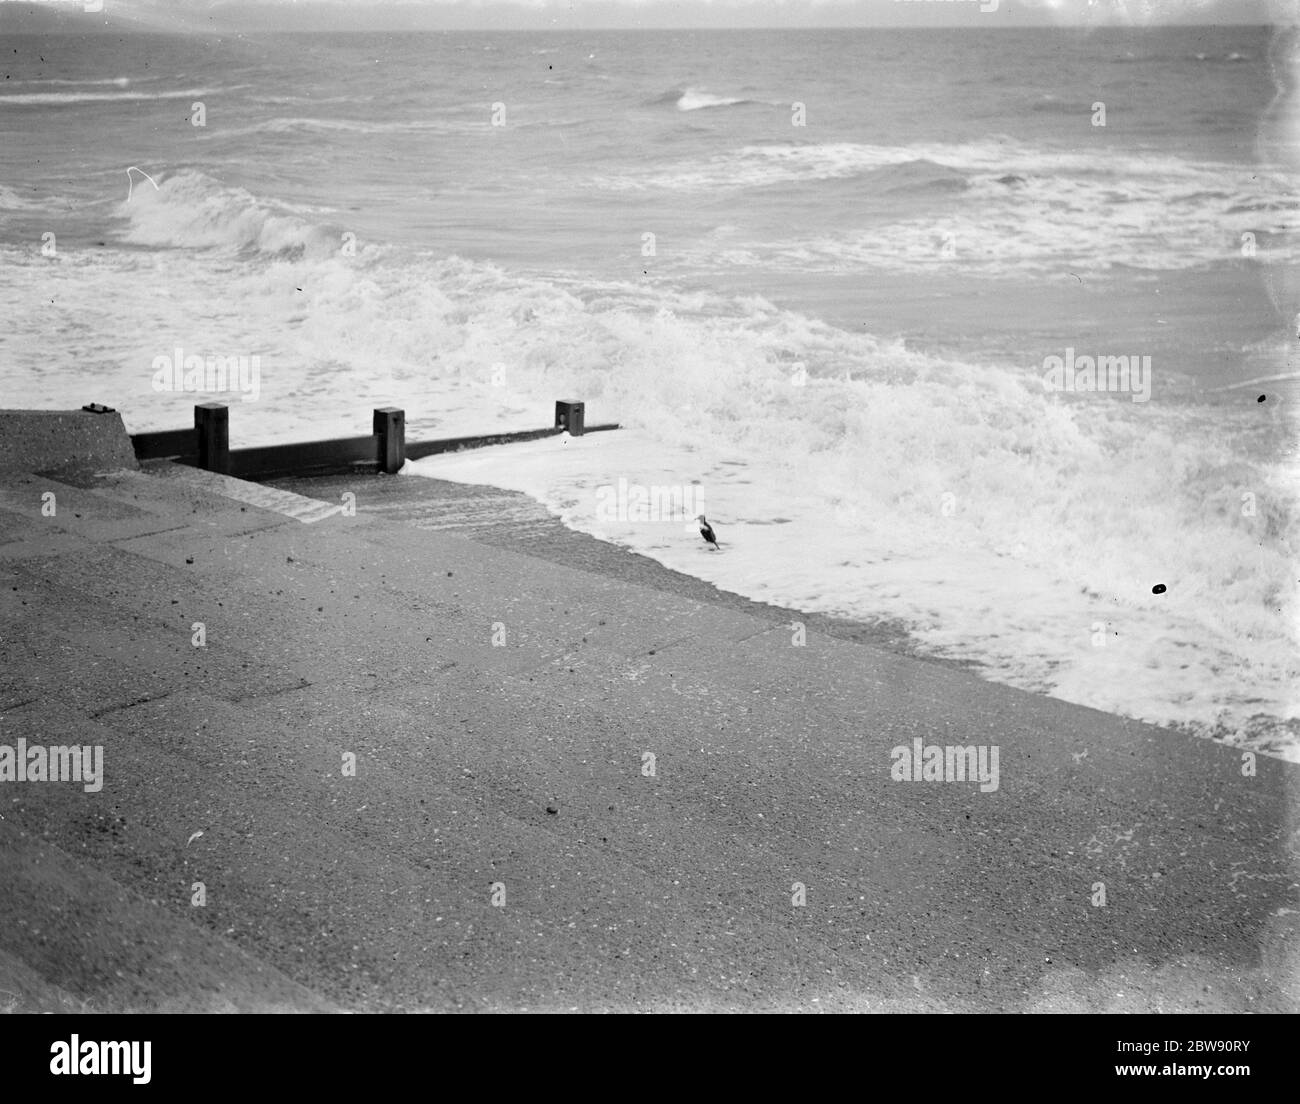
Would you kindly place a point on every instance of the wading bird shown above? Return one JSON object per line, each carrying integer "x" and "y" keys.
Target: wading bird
{"x": 706, "y": 531}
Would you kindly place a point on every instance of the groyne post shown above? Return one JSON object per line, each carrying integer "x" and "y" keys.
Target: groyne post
{"x": 569, "y": 415}
{"x": 390, "y": 430}
{"x": 212, "y": 431}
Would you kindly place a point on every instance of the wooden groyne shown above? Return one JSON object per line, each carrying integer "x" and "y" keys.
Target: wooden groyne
{"x": 384, "y": 449}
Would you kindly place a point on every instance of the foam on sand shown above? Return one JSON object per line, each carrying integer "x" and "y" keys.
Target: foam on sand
{"x": 1023, "y": 611}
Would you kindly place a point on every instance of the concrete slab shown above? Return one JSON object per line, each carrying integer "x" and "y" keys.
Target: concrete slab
{"x": 50, "y": 440}
{"x": 523, "y": 766}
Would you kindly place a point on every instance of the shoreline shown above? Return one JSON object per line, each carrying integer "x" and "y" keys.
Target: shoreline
{"x": 521, "y": 523}
{"x": 519, "y": 765}
{"x": 517, "y": 521}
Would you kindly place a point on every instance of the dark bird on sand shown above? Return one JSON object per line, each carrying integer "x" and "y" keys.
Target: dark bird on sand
{"x": 706, "y": 531}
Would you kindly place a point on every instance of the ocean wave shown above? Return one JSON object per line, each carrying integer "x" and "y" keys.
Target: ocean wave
{"x": 1024, "y": 235}
{"x": 117, "y": 82}
{"x": 1005, "y": 207}
{"x": 755, "y": 166}
{"x": 326, "y": 125}
{"x": 1055, "y": 521}
{"x": 10, "y": 200}
{"x": 30, "y": 99}
{"x": 190, "y": 210}
{"x": 697, "y": 99}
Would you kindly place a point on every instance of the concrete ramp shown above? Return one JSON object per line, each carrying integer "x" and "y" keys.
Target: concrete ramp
{"x": 59, "y": 440}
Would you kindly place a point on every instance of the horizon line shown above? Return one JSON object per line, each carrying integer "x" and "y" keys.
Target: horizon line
{"x": 133, "y": 28}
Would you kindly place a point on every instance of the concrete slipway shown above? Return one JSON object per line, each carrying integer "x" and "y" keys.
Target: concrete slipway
{"x": 522, "y": 766}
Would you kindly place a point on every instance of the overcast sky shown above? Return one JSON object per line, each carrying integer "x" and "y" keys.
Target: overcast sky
{"x": 225, "y": 16}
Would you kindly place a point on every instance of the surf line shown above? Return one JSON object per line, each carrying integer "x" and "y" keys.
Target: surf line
{"x": 1252, "y": 382}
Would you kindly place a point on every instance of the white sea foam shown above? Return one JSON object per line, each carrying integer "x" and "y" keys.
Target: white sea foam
{"x": 1001, "y": 522}
{"x": 327, "y": 125}
{"x": 189, "y": 209}
{"x": 695, "y": 99}
{"x": 117, "y": 82}
{"x": 31, "y": 99}
{"x": 1009, "y": 208}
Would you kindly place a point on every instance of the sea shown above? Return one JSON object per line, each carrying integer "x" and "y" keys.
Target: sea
{"x": 827, "y": 281}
